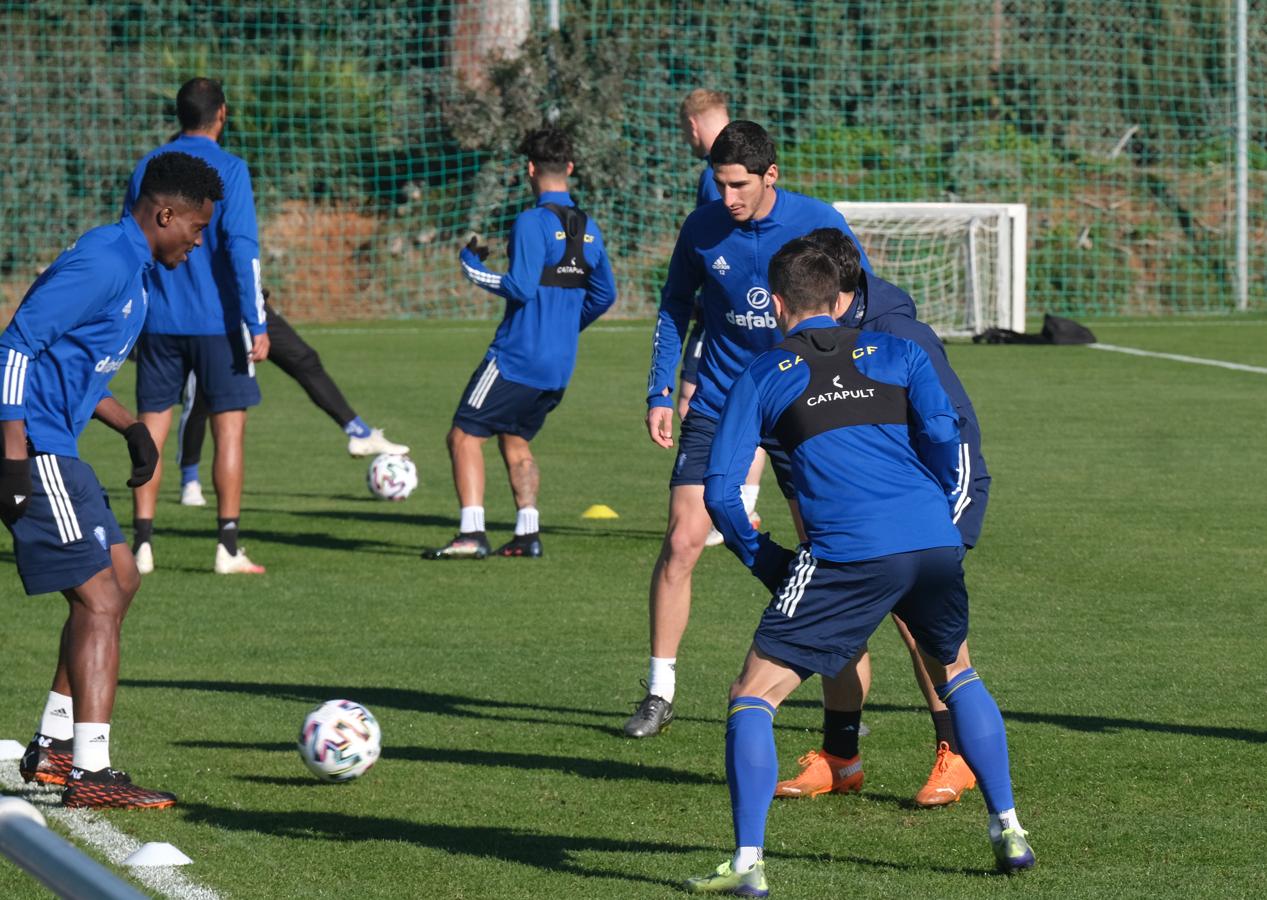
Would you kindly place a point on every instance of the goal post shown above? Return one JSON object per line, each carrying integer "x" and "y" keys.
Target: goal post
{"x": 963, "y": 263}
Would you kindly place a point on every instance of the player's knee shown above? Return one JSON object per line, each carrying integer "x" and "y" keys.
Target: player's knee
{"x": 682, "y": 549}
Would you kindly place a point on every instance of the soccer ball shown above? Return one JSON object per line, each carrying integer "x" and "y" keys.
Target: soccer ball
{"x": 392, "y": 477}
{"x": 340, "y": 740}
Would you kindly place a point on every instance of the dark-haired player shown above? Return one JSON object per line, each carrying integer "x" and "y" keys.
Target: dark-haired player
{"x": 206, "y": 318}
{"x": 721, "y": 257}
{"x": 874, "y": 446}
{"x": 873, "y": 304}
{"x": 559, "y": 281}
{"x": 702, "y": 115}
{"x": 71, "y": 333}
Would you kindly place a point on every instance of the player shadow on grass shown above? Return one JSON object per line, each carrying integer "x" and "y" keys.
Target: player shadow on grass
{"x": 1086, "y": 724}
{"x": 455, "y": 705}
{"x": 305, "y": 539}
{"x": 604, "y": 769}
{"x": 550, "y": 852}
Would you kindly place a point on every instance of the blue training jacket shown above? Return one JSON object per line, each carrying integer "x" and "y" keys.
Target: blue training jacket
{"x": 872, "y": 436}
{"x": 881, "y": 306}
{"x": 706, "y": 191}
{"x": 535, "y": 343}
{"x": 218, "y": 288}
{"x": 726, "y": 263}
{"x": 72, "y": 332}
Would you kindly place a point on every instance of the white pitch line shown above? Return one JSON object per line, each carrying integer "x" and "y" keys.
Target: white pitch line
{"x": 88, "y": 827}
{"x": 1178, "y": 357}
{"x": 482, "y": 329}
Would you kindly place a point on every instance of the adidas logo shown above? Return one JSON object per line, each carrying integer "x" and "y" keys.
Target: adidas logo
{"x": 720, "y": 266}
{"x": 99, "y": 739}
{"x": 61, "y": 713}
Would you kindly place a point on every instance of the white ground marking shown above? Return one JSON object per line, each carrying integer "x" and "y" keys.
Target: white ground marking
{"x": 1179, "y": 357}
{"x": 486, "y": 328}
{"x": 88, "y": 827}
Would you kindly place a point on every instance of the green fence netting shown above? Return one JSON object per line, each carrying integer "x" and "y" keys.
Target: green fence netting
{"x": 375, "y": 151}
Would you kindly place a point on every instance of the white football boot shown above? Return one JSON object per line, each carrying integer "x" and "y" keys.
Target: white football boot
{"x": 145, "y": 558}
{"x": 239, "y": 564}
{"x": 191, "y": 494}
{"x": 374, "y": 444}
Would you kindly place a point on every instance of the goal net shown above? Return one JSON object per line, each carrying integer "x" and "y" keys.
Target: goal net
{"x": 963, "y": 263}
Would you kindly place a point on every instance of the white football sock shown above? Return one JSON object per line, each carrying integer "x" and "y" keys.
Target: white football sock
{"x": 1003, "y": 821}
{"x": 472, "y": 519}
{"x": 662, "y": 680}
{"x": 745, "y": 858}
{"x": 92, "y": 746}
{"x": 529, "y": 521}
{"x": 58, "y": 721}
{"x": 749, "y": 494}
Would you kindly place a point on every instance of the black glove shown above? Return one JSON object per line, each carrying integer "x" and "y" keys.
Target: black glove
{"x": 478, "y": 247}
{"x": 771, "y": 563}
{"x": 15, "y": 488}
{"x": 143, "y": 452}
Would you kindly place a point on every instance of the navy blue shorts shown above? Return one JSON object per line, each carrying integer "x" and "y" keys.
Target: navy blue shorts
{"x": 221, "y": 363}
{"x": 695, "y": 442}
{"x": 824, "y": 612}
{"x": 65, "y": 536}
{"x": 492, "y": 405}
{"x": 694, "y": 351}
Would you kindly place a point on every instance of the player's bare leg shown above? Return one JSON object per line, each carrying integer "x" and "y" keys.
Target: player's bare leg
{"x": 91, "y": 665}
{"x": 228, "y": 432}
{"x": 525, "y": 482}
{"x": 670, "y": 605}
{"x": 466, "y": 455}
{"x": 951, "y": 775}
{"x": 145, "y": 497}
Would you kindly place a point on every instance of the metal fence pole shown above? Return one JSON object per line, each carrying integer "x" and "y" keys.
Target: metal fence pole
{"x": 1242, "y": 154}
{"x": 62, "y": 867}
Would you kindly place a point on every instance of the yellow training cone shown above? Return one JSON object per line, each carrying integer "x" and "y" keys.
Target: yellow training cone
{"x": 600, "y": 511}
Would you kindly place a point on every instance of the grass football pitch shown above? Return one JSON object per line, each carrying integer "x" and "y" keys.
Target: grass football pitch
{"x": 1118, "y": 616}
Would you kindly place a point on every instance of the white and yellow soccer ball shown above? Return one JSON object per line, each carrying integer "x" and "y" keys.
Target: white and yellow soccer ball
{"x": 340, "y": 740}
{"x": 392, "y": 477}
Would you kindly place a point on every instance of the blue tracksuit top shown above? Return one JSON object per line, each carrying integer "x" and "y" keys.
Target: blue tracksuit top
{"x": 726, "y": 263}
{"x": 866, "y": 489}
{"x": 535, "y": 343}
{"x": 72, "y": 332}
{"x": 881, "y": 306}
{"x": 706, "y": 191}
{"x": 218, "y": 288}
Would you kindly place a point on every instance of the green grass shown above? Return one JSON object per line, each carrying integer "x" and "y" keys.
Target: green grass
{"x": 1118, "y": 617}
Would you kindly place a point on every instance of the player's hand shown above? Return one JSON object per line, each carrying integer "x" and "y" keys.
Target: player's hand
{"x": 259, "y": 347}
{"x": 143, "y": 452}
{"x": 15, "y": 488}
{"x": 771, "y": 563}
{"x": 660, "y": 425}
{"x": 478, "y": 247}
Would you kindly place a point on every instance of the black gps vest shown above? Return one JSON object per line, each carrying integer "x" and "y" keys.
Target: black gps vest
{"x": 572, "y": 271}
{"x": 838, "y": 395}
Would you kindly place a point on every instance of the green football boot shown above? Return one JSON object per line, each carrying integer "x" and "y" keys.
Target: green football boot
{"x": 1011, "y": 851}
{"x": 751, "y": 883}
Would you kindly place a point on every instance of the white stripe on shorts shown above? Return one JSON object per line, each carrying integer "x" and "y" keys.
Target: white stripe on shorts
{"x": 794, "y": 587}
{"x": 965, "y": 480}
{"x": 480, "y": 392}
{"x": 58, "y": 498}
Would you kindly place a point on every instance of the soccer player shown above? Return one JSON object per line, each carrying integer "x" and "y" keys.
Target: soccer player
{"x": 559, "y": 282}
{"x": 702, "y": 116}
{"x": 294, "y": 356}
{"x": 206, "y": 318}
{"x": 873, "y": 304}
{"x": 722, "y": 253}
{"x": 71, "y": 333}
{"x": 875, "y": 448}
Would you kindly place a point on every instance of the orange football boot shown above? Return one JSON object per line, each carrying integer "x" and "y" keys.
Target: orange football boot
{"x": 821, "y": 772}
{"x": 947, "y": 782}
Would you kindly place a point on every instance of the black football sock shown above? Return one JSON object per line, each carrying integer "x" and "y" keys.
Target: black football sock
{"x": 840, "y": 732}
{"x": 945, "y": 730}
{"x": 142, "y": 532}
{"x": 229, "y": 535}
